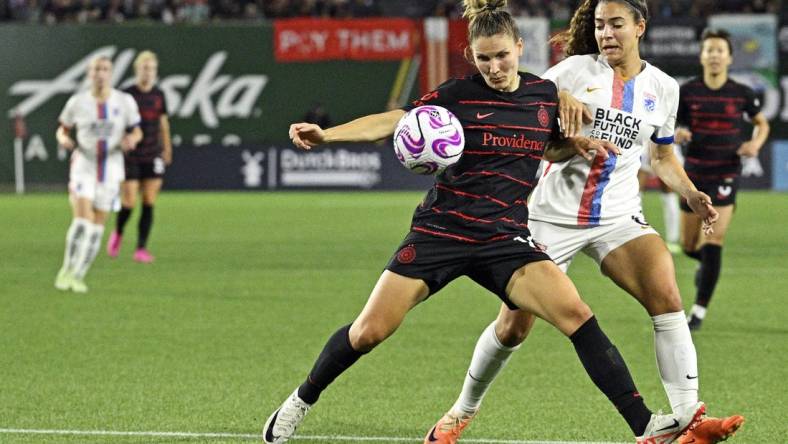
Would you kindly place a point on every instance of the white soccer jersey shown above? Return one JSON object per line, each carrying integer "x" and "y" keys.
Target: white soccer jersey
{"x": 627, "y": 113}
{"x": 100, "y": 127}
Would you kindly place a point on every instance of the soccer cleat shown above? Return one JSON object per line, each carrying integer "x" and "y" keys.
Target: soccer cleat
{"x": 78, "y": 285}
{"x": 281, "y": 425}
{"x": 665, "y": 429}
{"x": 143, "y": 256}
{"x": 712, "y": 430}
{"x": 113, "y": 244}
{"x": 448, "y": 428}
{"x": 63, "y": 280}
{"x": 694, "y": 322}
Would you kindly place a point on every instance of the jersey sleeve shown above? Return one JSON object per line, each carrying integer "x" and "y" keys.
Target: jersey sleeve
{"x": 752, "y": 104}
{"x": 664, "y": 134}
{"x": 132, "y": 112}
{"x": 563, "y": 73}
{"x": 441, "y": 96}
{"x": 67, "y": 117}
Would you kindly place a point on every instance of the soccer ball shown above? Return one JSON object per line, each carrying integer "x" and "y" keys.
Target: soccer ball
{"x": 428, "y": 139}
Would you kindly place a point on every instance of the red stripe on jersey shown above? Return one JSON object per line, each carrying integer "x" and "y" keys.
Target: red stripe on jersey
{"x": 697, "y": 161}
{"x": 471, "y": 195}
{"x": 459, "y": 237}
{"x": 716, "y": 115}
{"x": 716, "y": 132}
{"x": 493, "y": 173}
{"x": 584, "y": 212}
{"x": 541, "y": 104}
{"x": 714, "y": 99}
{"x": 534, "y": 82}
{"x": 527, "y": 128}
{"x": 501, "y": 153}
{"x": 479, "y": 220}
{"x": 692, "y": 175}
{"x": 487, "y": 102}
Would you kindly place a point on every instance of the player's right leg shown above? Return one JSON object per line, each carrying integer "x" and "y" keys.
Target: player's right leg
{"x": 541, "y": 288}
{"x": 391, "y": 299}
{"x": 128, "y": 199}
{"x": 81, "y": 193}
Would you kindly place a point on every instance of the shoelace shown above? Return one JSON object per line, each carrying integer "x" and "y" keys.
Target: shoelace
{"x": 289, "y": 418}
{"x": 453, "y": 425}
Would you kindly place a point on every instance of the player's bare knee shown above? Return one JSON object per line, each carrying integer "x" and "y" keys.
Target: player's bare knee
{"x": 512, "y": 330}
{"x": 365, "y": 336}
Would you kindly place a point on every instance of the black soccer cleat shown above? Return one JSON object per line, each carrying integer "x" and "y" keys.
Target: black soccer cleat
{"x": 694, "y": 323}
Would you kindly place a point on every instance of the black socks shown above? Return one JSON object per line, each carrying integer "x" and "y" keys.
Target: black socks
{"x": 709, "y": 273}
{"x": 607, "y": 369}
{"x": 123, "y": 217}
{"x": 146, "y": 221}
{"x": 336, "y": 357}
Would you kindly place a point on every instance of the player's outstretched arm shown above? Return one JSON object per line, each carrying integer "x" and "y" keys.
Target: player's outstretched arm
{"x": 565, "y": 149}
{"x": 364, "y": 129}
{"x": 669, "y": 169}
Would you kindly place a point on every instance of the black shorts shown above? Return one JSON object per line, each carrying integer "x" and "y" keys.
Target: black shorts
{"x": 438, "y": 261}
{"x": 721, "y": 192}
{"x": 139, "y": 169}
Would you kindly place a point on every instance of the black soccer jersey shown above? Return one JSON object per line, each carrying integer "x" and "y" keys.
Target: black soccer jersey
{"x": 715, "y": 118}
{"x": 152, "y": 106}
{"x": 482, "y": 197}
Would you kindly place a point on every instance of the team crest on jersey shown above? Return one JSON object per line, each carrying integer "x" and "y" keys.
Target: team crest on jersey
{"x": 724, "y": 191}
{"x": 649, "y": 101}
{"x": 730, "y": 108}
{"x": 407, "y": 254}
{"x": 544, "y": 117}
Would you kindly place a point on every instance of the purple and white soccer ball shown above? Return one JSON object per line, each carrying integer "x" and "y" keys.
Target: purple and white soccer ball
{"x": 428, "y": 139}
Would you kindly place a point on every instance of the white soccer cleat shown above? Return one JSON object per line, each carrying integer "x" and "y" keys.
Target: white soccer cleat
{"x": 63, "y": 280}
{"x": 282, "y": 424}
{"x": 665, "y": 429}
{"x": 78, "y": 285}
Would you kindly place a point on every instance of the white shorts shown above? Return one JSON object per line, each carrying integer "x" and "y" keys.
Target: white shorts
{"x": 564, "y": 242}
{"x": 103, "y": 194}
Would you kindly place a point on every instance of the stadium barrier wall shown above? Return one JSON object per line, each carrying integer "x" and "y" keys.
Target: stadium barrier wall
{"x": 238, "y": 85}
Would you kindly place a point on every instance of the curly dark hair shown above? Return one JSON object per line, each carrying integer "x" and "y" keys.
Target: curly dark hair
{"x": 579, "y": 39}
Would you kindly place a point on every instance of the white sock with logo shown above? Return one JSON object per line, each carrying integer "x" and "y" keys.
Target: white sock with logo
{"x": 489, "y": 357}
{"x": 76, "y": 234}
{"x": 670, "y": 214}
{"x": 92, "y": 245}
{"x": 677, "y": 360}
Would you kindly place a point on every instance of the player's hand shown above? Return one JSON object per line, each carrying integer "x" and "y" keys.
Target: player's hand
{"x": 700, "y": 203}
{"x": 127, "y": 143}
{"x": 682, "y": 135}
{"x": 573, "y": 114}
{"x": 306, "y": 135}
{"x": 747, "y": 149}
{"x": 67, "y": 143}
{"x": 590, "y": 148}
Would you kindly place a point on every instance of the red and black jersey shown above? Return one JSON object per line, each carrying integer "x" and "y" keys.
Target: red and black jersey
{"x": 716, "y": 119}
{"x": 482, "y": 197}
{"x": 152, "y": 106}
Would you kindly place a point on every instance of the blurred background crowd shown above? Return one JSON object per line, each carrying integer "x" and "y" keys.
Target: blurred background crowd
{"x": 200, "y": 11}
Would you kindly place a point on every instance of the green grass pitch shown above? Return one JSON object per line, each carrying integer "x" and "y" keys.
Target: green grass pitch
{"x": 247, "y": 287}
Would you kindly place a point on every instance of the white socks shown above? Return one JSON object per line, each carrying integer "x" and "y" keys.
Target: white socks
{"x": 670, "y": 214}
{"x": 698, "y": 311}
{"x": 75, "y": 236}
{"x": 489, "y": 357}
{"x": 91, "y": 245}
{"x": 676, "y": 360}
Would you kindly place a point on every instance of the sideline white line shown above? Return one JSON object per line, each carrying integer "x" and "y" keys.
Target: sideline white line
{"x": 257, "y": 436}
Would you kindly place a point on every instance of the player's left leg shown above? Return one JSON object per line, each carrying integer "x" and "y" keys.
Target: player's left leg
{"x": 644, "y": 268}
{"x": 128, "y": 199}
{"x": 710, "y": 265}
{"x": 150, "y": 191}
